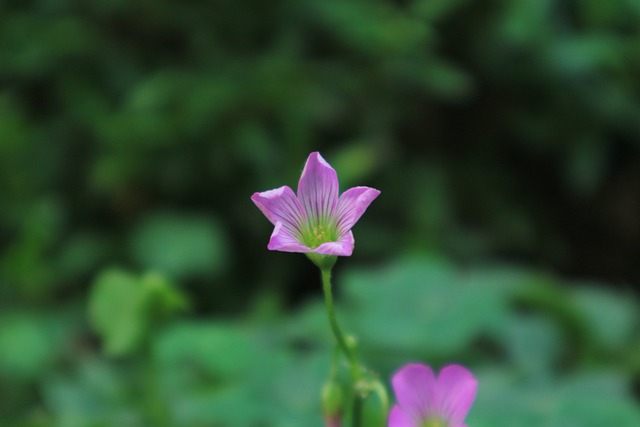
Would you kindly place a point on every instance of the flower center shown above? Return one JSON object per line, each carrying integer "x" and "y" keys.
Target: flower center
{"x": 434, "y": 422}
{"x": 318, "y": 234}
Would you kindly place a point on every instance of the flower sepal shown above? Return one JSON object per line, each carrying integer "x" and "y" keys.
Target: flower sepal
{"x": 324, "y": 262}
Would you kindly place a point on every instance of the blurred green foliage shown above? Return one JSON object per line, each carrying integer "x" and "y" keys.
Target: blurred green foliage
{"x": 532, "y": 366}
{"x": 133, "y": 133}
{"x": 123, "y": 309}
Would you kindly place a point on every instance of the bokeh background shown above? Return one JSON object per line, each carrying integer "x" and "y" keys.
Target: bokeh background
{"x": 135, "y": 284}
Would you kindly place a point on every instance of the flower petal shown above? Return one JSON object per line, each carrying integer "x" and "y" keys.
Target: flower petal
{"x": 281, "y": 205}
{"x": 457, "y": 389}
{"x": 318, "y": 189}
{"x": 352, "y": 204}
{"x": 343, "y": 247}
{"x": 283, "y": 240}
{"x": 415, "y": 389}
{"x": 398, "y": 418}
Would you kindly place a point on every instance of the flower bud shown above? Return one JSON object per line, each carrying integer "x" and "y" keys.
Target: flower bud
{"x": 352, "y": 342}
{"x": 332, "y": 401}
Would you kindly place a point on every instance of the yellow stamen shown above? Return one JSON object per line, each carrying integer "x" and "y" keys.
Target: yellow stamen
{"x": 319, "y": 234}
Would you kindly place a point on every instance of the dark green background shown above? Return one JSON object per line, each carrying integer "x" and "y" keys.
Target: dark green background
{"x": 135, "y": 284}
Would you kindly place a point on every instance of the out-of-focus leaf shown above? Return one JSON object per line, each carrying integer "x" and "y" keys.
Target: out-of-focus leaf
{"x": 222, "y": 352}
{"x": 81, "y": 254}
{"x": 587, "y": 165}
{"x": 179, "y": 246}
{"x": 26, "y": 263}
{"x": 432, "y": 206}
{"x": 381, "y": 30}
{"x": 434, "y": 10}
{"x": 422, "y": 305}
{"x": 116, "y": 311}
{"x": 612, "y": 319}
{"x": 585, "y": 400}
{"x": 122, "y": 308}
{"x": 27, "y": 345}
{"x": 355, "y": 162}
{"x": 211, "y": 374}
{"x": 534, "y": 345}
{"x": 441, "y": 78}
{"x": 95, "y": 394}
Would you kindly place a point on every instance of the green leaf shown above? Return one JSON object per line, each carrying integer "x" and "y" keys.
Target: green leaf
{"x": 123, "y": 307}
{"x": 581, "y": 400}
{"x": 95, "y": 394}
{"x": 116, "y": 311}
{"x": 220, "y": 352}
{"x": 215, "y": 372}
{"x": 27, "y": 345}
{"x": 81, "y": 253}
{"x": 611, "y": 319}
{"x": 422, "y": 305}
{"x": 534, "y": 344}
{"x": 178, "y": 245}
{"x": 356, "y": 161}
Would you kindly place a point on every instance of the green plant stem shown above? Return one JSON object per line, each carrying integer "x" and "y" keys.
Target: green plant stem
{"x": 356, "y": 414}
{"x": 349, "y": 352}
{"x": 337, "y": 333}
{"x": 381, "y": 392}
{"x": 156, "y": 410}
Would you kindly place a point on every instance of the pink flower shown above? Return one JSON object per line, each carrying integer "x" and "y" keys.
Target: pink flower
{"x": 427, "y": 401}
{"x": 316, "y": 220}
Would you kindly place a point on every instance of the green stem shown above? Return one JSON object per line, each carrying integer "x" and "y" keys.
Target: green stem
{"x": 156, "y": 410}
{"x": 328, "y": 297}
{"x": 349, "y": 352}
{"x": 356, "y": 415}
{"x": 379, "y": 389}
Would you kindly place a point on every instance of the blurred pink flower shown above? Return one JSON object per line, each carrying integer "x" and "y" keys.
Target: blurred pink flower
{"x": 316, "y": 220}
{"x": 427, "y": 401}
